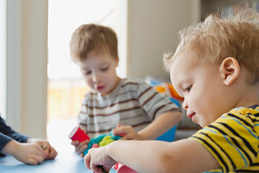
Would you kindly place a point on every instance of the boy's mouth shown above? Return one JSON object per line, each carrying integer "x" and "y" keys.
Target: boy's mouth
{"x": 100, "y": 87}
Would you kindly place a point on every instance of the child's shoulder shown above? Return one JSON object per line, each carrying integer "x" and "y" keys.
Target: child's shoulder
{"x": 243, "y": 115}
{"x": 246, "y": 111}
{"x": 132, "y": 82}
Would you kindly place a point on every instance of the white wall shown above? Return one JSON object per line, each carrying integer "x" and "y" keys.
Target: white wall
{"x": 27, "y": 66}
{"x": 3, "y": 58}
{"x": 152, "y": 31}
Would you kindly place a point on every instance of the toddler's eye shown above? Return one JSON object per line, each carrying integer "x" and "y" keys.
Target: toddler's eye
{"x": 104, "y": 69}
{"x": 88, "y": 72}
{"x": 188, "y": 89}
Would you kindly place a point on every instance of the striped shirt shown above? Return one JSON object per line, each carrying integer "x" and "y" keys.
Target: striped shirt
{"x": 233, "y": 140}
{"x": 133, "y": 102}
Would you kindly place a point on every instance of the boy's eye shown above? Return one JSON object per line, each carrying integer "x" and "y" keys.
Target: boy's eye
{"x": 104, "y": 69}
{"x": 87, "y": 72}
{"x": 188, "y": 89}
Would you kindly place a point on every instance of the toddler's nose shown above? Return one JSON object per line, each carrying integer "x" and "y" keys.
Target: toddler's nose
{"x": 95, "y": 77}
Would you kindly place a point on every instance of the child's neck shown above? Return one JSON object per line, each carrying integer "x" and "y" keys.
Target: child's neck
{"x": 249, "y": 96}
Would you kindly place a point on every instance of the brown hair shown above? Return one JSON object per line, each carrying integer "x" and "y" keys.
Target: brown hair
{"x": 92, "y": 37}
{"x": 216, "y": 39}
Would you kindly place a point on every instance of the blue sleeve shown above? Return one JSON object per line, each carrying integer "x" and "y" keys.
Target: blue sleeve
{"x": 7, "y": 134}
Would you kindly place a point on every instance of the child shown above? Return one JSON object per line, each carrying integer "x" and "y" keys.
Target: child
{"x": 129, "y": 105}
{"x": 28, "y": 150}
{"x": 216, "y": 70}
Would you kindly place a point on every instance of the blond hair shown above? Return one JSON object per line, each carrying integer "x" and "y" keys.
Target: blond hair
{"x": 215, "y": 39}
{"x": 92, "y": 37}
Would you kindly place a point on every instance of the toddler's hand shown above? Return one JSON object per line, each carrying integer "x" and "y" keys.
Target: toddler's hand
{"x": 30, "y": 153}
{"x": 49, "y": 151}
{"x": 98, "y": 161}
{"x": 129, "y": 132}
{"x": 80, "y": 147}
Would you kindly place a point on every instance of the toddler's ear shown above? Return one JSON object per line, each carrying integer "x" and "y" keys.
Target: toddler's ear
{"x": 229, "y": 70}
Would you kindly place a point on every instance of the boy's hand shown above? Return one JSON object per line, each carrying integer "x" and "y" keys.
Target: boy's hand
{"x": 49, "y": 151}
{"x": 98, "y": 161}
{"x": 129, "y": 132}
{"x": 80, "y": 147}
{"x": 30, "y": 153}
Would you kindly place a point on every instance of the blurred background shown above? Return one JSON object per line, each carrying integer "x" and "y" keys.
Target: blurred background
{"x": 40, "y": 87}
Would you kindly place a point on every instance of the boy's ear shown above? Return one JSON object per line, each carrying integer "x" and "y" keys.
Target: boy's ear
{"x": 229, "y": 70}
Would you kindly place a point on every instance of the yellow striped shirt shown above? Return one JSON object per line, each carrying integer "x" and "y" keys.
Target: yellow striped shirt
{"x": 233, "y": 140}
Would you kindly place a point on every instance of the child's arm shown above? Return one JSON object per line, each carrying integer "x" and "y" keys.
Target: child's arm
{"x": 7, "y": 134}
{"x": 153, "y": 156}
{"x": 159, "y": 126}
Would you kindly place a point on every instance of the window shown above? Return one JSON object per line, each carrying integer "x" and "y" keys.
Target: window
{"x": 66, "y": 88}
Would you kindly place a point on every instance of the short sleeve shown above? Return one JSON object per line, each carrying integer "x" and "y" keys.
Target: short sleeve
{"x": 232, "y": 140}
{"x": 153, "y": 102}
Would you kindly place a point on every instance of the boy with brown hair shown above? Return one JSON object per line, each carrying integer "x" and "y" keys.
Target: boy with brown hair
{"x": 128, "y": 106}
{"x": 216, "y": 69}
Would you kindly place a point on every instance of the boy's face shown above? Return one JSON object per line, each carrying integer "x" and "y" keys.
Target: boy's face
{"x": 99, "y": 72}
{"x": 201, "y": 86}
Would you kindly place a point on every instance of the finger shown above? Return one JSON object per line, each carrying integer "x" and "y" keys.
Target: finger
{"x": 74, "y": 142}
{"x": 38, "y": 158}
{"x": 81, "y": 144}
{"x": 122, "y": 133}
{"x": 46, "y": 153}
{"x": 78, "y": 147}
{"x": 127, "y": 137}
{"x": 118, "y": 126}
{"x": 32, "y": 161}
{"x": 85, "y": 142}
{"x": 102, "y": 168}
{"x": 80, "y": 150}
{"x": 83, "y": 148}
{"x": 94, "y": 167}
{"x": 99, "y": 168}
{"x": 39, "y": 150}
{"x": 87, "y": 159}
{"x": 52, "y": 153}
{"x": 121, "y": 130}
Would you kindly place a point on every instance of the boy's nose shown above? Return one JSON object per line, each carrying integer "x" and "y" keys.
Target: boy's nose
{"x": 95, "y": 77}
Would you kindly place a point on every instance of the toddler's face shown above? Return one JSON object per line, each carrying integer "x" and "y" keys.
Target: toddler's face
{"x": 99, "y": 72}
{"x": 201, "y": 86}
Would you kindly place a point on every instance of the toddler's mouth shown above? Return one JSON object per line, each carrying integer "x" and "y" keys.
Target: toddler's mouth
{"x": 100, "y": 87}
